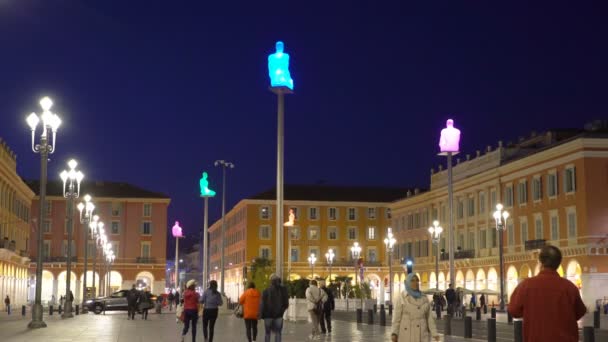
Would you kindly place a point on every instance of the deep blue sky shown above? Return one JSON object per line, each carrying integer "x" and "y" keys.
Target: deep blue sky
{"x": 152, "y": 92}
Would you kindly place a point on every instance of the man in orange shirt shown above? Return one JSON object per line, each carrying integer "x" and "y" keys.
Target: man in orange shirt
{"x": 549, "y": 304}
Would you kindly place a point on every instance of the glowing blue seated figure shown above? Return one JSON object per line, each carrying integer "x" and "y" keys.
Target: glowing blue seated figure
{"x": 278, "y": 68}
{"x": 204, "y": 183}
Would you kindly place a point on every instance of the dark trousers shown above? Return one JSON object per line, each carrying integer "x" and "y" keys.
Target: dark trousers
{"x": 325, "y": 320}
{"x": 251, "y": 325}
{"x": 209, "y": 318}
{"x": 273, "y": 325}
{"x": 190, "y": 315}
{"x": 144, "y": 314}
{"x": 132, "y": 311}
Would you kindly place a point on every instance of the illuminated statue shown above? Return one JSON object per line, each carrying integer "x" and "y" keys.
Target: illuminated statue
{"x": 450, "y": 138}
{"x": 278, "y": 68}
{"x": 177, "y": 230}
{"x": 292, "y": 219}
{"x": 204, "y": 183}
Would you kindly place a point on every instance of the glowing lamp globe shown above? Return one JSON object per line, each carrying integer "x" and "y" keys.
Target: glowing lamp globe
{"x": 177, "y": 230}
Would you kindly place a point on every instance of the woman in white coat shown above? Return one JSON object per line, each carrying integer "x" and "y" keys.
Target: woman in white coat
{"x": 413, "y": 320}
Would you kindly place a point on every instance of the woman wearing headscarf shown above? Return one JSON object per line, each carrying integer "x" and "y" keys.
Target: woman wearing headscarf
{"x": 412, "y": 319}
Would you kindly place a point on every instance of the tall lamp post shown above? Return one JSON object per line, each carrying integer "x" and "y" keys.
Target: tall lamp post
{"x": 329, "y": 256}
{"x": 177, "y": 234}
{"x": 223, "y": 164}
{"x": 280, "y": 84}
{"x": 389, "y": 242}
{"x": 71, "y": 190}
{"x": 435, "y": 230}
{"x": 86, "y": 212}
{"x": 203, "y": 253}
{"x": 96, "y": 228}
{"x": 355, "y": 251}
{"x": 50, "y": 124}
{"x": 449, "y": 144}
{"x": 311, "y": 261}
{"x": 501, "y": 216}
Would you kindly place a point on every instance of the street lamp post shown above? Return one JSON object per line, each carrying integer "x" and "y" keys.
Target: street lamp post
{"x": 71, "y": 190}
{"x": 177, "y": 234}
{"x": 224, "y": 164}
{"x": 435, "y": 230}
{"x": 355, "y": 251}
{"x": 50, "y": 122}
{"x": 311, "y": 261}
{"x": 86, "y": 212}
{"x": 389, "y": 242}
{"x": 330, "y": 260}
{"x": 501, "y": 216}
{"x": 101, "y": 241}
{"x": 206, "y": 192}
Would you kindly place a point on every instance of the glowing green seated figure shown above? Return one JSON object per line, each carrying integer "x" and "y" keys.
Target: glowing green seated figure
{"x": 278, "y": 68}
{"x": 204, "y": 183}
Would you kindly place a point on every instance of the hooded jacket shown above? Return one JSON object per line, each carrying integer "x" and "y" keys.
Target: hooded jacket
{"x": 250, "y": 300}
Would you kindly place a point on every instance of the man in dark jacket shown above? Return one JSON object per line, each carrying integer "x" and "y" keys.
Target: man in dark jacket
{"x": 132, "y": 299}
{"x": 450, "y": 295}
{"x": 328, "y": 307}
{"x": 275, "y": 301}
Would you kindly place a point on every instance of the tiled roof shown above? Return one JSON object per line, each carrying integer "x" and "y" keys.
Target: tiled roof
{"x": 98, "y": 189}
{"x": 336, "y": 193}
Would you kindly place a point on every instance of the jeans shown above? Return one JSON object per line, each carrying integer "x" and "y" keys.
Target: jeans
{"x": 190, "y": 315}
{"x": 209, "y": 317}
{"x": 326, "y": 321}
{"x": 273, "y": 325}
{"x": 251, "y": 325}
{"x": 144, "y": 314}
{"x": 314, "y": 317}
{"x": 132, "y": 311}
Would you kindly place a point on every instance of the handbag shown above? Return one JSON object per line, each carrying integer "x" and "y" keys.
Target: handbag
{"x": 201, "y": 307}
{"x": 180, "y": 314}
{"x": 238, "y": 311}
{"x": 319, "y": 304}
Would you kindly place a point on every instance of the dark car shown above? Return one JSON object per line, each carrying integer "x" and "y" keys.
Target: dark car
{"x": 115, "y": 302}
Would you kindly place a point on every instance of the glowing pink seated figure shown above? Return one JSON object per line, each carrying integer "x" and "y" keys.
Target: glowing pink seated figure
{"x": 450, "y": 138}
{"x": 292, "y": 219}
{"x": 177, "y": 230}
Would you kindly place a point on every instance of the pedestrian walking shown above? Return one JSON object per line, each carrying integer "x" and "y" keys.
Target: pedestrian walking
{"x": 412, "y": 318}
{"x": 7, "y": 304}
{"x": 328, "y": 307}
{"x": 145, "y": 303}
{"x": 191, "y": 299}
{"x": 548, "y": 300}
{"x": 274, "y": 303}
{"x": 211, "y": 300}
{"x": 315, "y": 300}
{"x": 482, "y": 303}
{"x": 250, "y": 300}
{"x": 176, "y": 298}
{"x": 132, "y": 300}
{"x": 170, "y": 299}
{"x": 450, "y": 295}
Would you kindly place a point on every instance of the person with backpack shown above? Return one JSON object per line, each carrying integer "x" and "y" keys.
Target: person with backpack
{"x": 315, "y": 300}
{"x": 211, "y": 300}
{"x": 250, "y": 300}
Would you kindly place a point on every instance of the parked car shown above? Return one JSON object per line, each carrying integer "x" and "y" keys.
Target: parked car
{"x": 117, "y": 301}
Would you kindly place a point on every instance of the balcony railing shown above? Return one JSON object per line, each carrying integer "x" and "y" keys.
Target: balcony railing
{"x": 462, "y": 254}
{"x": 57, "y": 259}
{"x": 145, "y": 260}
{"x": 535, "y": 244}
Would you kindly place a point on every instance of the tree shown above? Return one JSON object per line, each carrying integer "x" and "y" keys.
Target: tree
{"x": 261, "y": 269}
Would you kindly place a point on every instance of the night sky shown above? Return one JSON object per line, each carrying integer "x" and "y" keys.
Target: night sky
{"x": 153, "y": 92}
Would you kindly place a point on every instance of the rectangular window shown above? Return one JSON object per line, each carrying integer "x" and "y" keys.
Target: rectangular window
{"x": 482, "y": 202}
{"x": 46, "y": 227}
{"x": 145, "y": 249}
{"x": 352, "y": 214}
{"x": 313, "y": 213}
{"x": 117, "y": 209}
{"x": 332, "y": 233}
{"x": 460, "y": 209}
{"x": 471, "y": 240}
{"x": 265, "y": 232}
{"x": 537, "y": 189}
{"x": 460, "y": 241}
{"x": 538, "y": 228}
{"x": 471, "y": 206}
{"x": 265, "y": 252}
{"x": 570, "y": 179}
{"x": 371, "y": 213}
{"x": 552, "y": 184}
{"x": 524, "y": 232}
{"x": 482, "y": 239}
{"x": 49, "y": 208}
{"x": 554, "y": 227}
{"x": 352, "y": 233}
{"x": 410, "y": 221}
{"x": 265, "y": 213}
{"x": 416, "y": 220}
{"x": 509, "y": 196}
{"x": 435, "y": 214}
{"x": 571, "y": 224}
{"x": 388, "y": 214}
{"x": 494, "y": 236}
{"x": 371, "y": 233}
{"x": 313, "y": 233}
{"x": 510, "y": 233}
{"x": 46, "y": 248}
{"x": 372, "y": 255}
{"x": 147, "y": 209}
{"x": 332, "y": 213}
{"x": 493, "y": 199}
{"x": 295, "y": 233}
{"x": 115, "y": 228}
{"x": 146, "y": 228}
{"x": 91, "y": 248}
{"x": 315, "y": 251}
{"x": 295, "y": 254}
{"x": 115, "y": 247}
{"x": 522, "y": 192}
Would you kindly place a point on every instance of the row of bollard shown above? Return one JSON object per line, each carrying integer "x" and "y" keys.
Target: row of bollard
{"x": 371, "y": 313}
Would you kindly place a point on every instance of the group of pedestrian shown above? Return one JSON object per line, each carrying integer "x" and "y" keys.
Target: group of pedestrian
{"x": 210, "y": 302}
{"x": 320, "y": 304}
{"x": 138, "y": 301}
{"x": 173, "y": 299}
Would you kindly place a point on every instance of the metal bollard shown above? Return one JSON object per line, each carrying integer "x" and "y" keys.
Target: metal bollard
{"x": 518, "y": 331}
{"x": 468, "y": 327}
{"x": 390, "y": 309}
{"x": 359, "y": 316}
{"x": 370, "y": 316}
{"x": 447, "y": 328}
{"x": 22, "y": 310}
{"x": 588, "y": 334}
{"x": 375, "y": 308}
{"x": 478, "y": 314}
{"x": 596, "y": 319}
{"x": 59, "y": 309}
{"x": 493, "y": 313}
{"x": 485, "y": 309}
{"x": 382, "y": 316}
{"x": 76, "y": 309}
{"x": 50, "y": 310}
{"x": 491, "y": 329}
{"x": 509, "y": 318}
